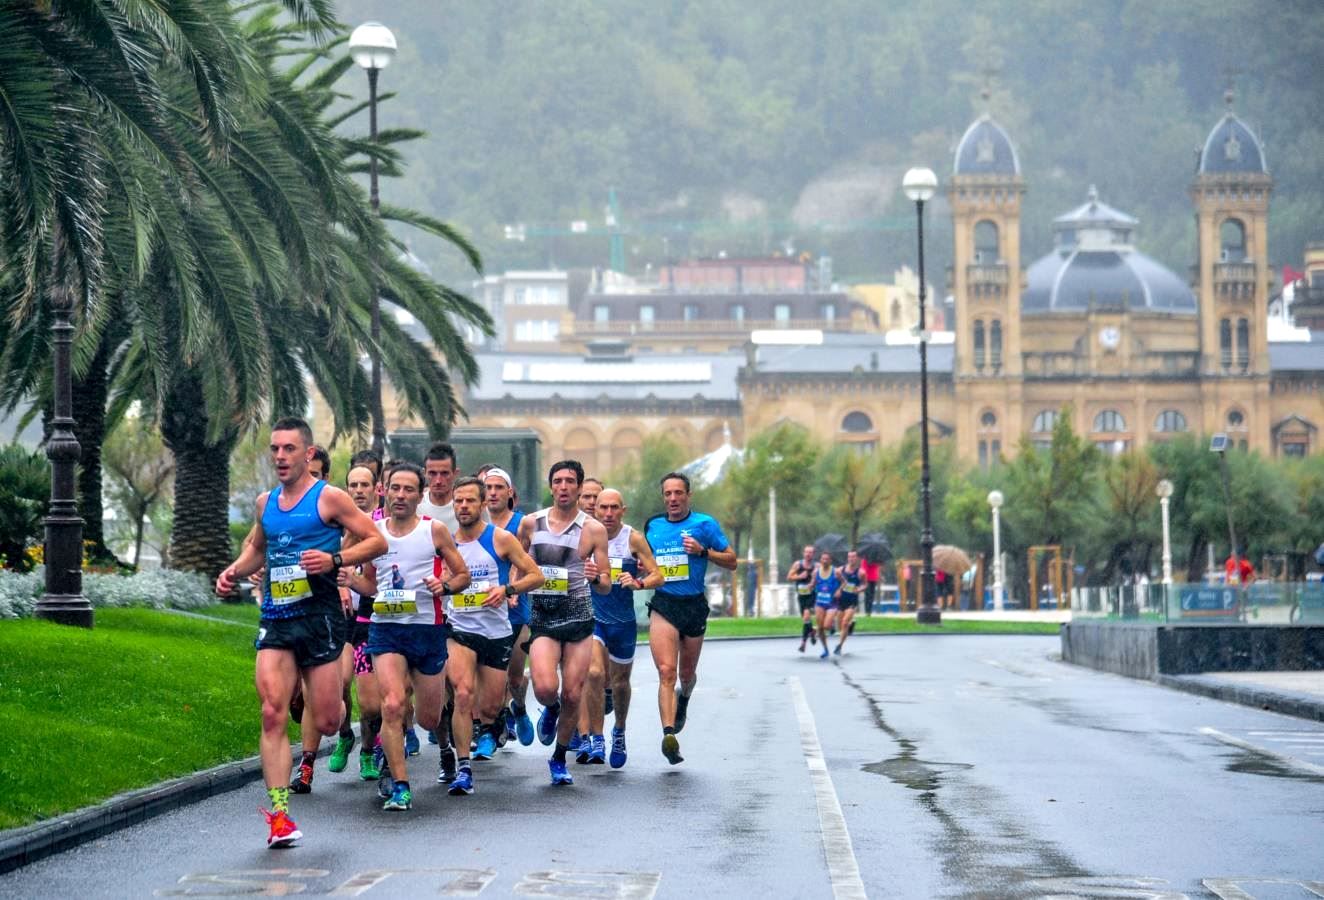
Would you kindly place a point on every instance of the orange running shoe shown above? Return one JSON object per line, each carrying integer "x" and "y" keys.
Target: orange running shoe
{"x": 302, "y": 783}
{"x": 283, "y": 830}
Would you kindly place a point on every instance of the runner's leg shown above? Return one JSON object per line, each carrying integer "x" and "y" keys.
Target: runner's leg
{"x": 664, "y": 643}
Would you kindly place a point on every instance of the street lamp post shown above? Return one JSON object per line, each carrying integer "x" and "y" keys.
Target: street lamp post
{"x": 920, "y": 185}
{"x": 373, "y": 47}
{"x": 1218, "y": 444}
{"x": 995, "y": 501}
{"x": 1164, "y": 491}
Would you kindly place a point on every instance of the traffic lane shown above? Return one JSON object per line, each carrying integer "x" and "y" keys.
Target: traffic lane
{"x": 1034, "y": 776}
{"x": 739, "y": 812}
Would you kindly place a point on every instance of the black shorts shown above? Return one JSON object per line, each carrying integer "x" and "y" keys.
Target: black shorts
{"x": 315, "y": 639}
{"x": 569, "y": 633}
{"x": 806, "y": 602}
{"x": 491, "y": 652}
{"x": 688, "y": 614}
{"x": 848, "y": 601}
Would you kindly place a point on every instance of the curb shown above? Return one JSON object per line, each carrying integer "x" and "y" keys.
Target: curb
{"x": 1302, "y": 706}
{"x": 27, "y": 844}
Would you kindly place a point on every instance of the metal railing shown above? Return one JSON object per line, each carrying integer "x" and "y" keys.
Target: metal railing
{"x": 1260, "y": 603}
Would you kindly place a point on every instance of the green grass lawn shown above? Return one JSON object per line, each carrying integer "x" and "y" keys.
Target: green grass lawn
{"x": 789, "y": 626}
{"x": 245, "y": 613}
{"x": 143, "y": 697}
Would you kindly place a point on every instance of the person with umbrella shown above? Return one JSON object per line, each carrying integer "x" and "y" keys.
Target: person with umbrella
{"x": 827, "y": 586}
{"x": 801, "y": 575}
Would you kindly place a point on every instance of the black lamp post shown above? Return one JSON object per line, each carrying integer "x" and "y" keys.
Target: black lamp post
{"x": 63, "y": 600}
{"x": 920, "y": 185}
{"x": 373, "y": 47}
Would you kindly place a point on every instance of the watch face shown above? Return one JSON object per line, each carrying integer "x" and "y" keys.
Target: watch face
{"x": 1110, "y": 337}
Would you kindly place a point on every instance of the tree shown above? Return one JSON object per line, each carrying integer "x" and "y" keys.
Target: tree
{"x": 864, "y": 487}
{"x": 25, "y": 486}
{"x": 141, "y": 475}
{"x": 1131, "y": 505}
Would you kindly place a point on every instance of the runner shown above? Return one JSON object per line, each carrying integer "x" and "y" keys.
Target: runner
{"x": 439, "y": 467}
{"x": 852, "y": 581}
{"x": 579, "y": 743}
{"x": 373, "y": 460}
{"x": 504, "y": 513}
{"x": 801, "y": 575}
{"x": 571, "y": 549}
{"x": 407, "y": 637}
{"x": 361, "y": 485}
{"x": 481, "y": 634}
{"x": 826, "y": 587}
{"x": 302, "y": 628}
{"x": 588, "y": 495}
{"x": 683, "y": 542}
{"x": 616, "y": 631}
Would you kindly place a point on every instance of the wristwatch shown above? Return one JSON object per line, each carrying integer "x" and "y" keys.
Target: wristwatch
{"x": 704, "y": 554}
{"x": 336, "y": 560}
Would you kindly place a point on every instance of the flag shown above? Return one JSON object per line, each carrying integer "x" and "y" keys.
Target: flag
{"x": 1291, "y": 276}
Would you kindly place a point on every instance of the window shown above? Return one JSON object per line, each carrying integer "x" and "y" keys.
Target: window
{"x": 989, "y": 451}
{"x": 601, "y": 313}
{"x": 737, "y": 312}
{"x": 537, "y": 329}
{"x": 1170, "y": 420}
{"x": 517, "y": 295}
{"x": 1232, "y": 241}
{"x": 979, "y": 345}
{"x": 857, "y": 423}
{"x": 986, "y": 243}
{"x": 1225, "y": 342}
{"x": 1236, "y": 428}
{"x": 1243, "y": 344}
{"x": 1044, "y": 422}
{"x": 988, "y": 420}
{"x": 827, "y": 312}
{"x": 1110, "y": 420}
{"x": 690, "y": 312}
{"x": 646, "y": 314}
{"x": 781, "y": 314}
{"x": 995, "y": 345}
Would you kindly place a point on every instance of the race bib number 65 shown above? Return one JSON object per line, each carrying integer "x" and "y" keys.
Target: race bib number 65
{"x": 556, "y": 581}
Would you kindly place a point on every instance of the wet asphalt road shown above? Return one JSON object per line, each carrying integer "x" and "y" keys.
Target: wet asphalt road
{"x": 911, "y": 767}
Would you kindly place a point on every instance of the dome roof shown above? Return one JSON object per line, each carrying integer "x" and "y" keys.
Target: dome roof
{"x": 1232, "y": 147}
{"x": 1095, "y": 265}
{"x": 985, "y": 149}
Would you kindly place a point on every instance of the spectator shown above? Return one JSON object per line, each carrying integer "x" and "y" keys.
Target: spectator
{"x": 872, "y": 572}
{"x": 1238, "y": 570}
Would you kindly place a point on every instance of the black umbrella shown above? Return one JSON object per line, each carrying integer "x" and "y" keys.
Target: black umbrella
{"x": 875, "y": 547}
{"x": 833, "y": 543}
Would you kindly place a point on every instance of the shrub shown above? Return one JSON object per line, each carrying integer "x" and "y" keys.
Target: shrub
{"x": 159, "y": 588}
{"x": 25, "y": 487}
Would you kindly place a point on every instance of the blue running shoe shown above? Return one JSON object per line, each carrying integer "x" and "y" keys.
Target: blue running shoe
{"x": 508, "y": 715}
{"x": 411, "y": 742}
{"x": 432, "y": 737}
{"x": 401, "y": 798}
{"x": 824, "y": 654}
{"x": 559, "y": 773}
{"x": 617, "y": 748}
{"x": 547, "y": 725}
{"x": 579, "y": 745}
{"x": 837, "y": 650}
{"x": 486, "y": 748}
{"x": 597, "y": 753}
{"x": 523, "y": 727}
{"x": 463, "y": 783}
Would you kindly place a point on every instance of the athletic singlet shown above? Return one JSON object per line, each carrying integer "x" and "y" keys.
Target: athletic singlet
{"x": 617, "y": 608}
{"x": 287, "y": 590}
{"x": 683, "y": 571}
{"x": 851, "y": 582}
{"x": 486, "y": 570}
{"x": 804, "y": 588}
{"x": 402, "y": 597}
{"x": 563, "y": 599}
{"x": 825, "y": 588}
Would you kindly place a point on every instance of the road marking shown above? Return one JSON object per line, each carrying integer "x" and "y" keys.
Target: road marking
{"x": 1256, "y": 748}
{"x": 843, "y": 869}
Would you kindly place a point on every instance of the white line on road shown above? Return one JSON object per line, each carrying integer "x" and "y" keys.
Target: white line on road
{"x": 843, "y": 869}
{"x": 1256, "y": 748}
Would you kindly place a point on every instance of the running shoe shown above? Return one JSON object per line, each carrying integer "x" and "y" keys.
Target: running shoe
{"x": 546, "y": 726}
{"x": 608, "y": 704}
{"x": 682, "y": 710}
{"x": 617, "y": 748}
{"x": 432, "y": 736}
{"x": 368, "y": 768}
{"x": 559, "y": 773}
{"x": 508, "y": 715}
{"x": 824, "y": 654}
{"x": 523, "y": 727}
{"x": 411, "y": 742}
{"x": 340, "y": 756}
{"x": 671, "y": 749}
{"x": 400, "y": 797}
{"x": 448, "y": 761}
{"x": 486, "y": 747}
{"x": 502, "y": 730}
{"x": 597, "y": 754}
{"x": 283, "y": 830}
{"x": 302, "y": 783}
{"x": 802, "y": 646}
{"x": 579, "y": 746}
{"x": 474, "y": 735}
{"x": 837, "y": 650}
{"x": 463, "y": 783}
{"x": 385, "y": 783}
{"x": 813, "y": 637}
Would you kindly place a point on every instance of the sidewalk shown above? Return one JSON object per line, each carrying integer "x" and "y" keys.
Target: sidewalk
{"x": 1299, "y": 694}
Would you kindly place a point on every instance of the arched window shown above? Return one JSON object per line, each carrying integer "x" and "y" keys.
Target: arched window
{"x": 1232, "y": 241}
{"x": 988, "y": 421}
{"x": 1108, "y": 422}
{"x": 995, "y": 344}
{"x": 857, "y": 423}
{"x": 1044, "y": 422}
{"x": 1243, "y": 343}
{"x": 979, "y": 344}
{"x": 986, "y": 243}
{"x": 1170, "y": 420}
{"x": 1225, "y": 342}
{"x": 1237, "y": 430}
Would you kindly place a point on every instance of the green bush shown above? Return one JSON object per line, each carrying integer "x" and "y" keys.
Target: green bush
{"x": 158, "y": 588}
{"x": 25, "y": 488}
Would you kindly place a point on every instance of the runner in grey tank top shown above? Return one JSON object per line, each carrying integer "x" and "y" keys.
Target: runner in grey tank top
{"x": 563, "y": 601}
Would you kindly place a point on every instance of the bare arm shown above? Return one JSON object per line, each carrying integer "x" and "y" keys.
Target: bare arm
{"x": 334, "y": 505}
{"x": 653, "y": 577}
{"x": 457, "y": 573}
{"x": 597, "y": 565}
{"x": 530, "y": 576}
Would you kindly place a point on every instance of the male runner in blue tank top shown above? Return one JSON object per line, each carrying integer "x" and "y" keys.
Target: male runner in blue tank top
{"x": 302, "y": 629}
{"x": 683, "y": 543}
{"x": 826, "y": 587}
{"x": 851, "y": 577}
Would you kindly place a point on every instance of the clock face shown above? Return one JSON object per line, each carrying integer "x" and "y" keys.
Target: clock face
{"x": 1110, "y": 337}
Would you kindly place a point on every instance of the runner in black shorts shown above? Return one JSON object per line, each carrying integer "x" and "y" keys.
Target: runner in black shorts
{"x": 801, "y": 575}
{"x": 851, "y": 576}
{"x": 361, "y": 485}
{"x": 683, "y": 543}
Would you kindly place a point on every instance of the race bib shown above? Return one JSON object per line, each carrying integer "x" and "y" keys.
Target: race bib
{"x": 617, "y": 567}
{"x": 674, "y": 566}
{"x": 473, "y": 595}
{"x": 556, "y": 582}
{"x": 289, "y": 584}
{"x": 395, "y": 602}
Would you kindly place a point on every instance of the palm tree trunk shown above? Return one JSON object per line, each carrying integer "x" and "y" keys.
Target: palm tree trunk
{"x": 89, "y": 403}
{"x": 200, "y": 538}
